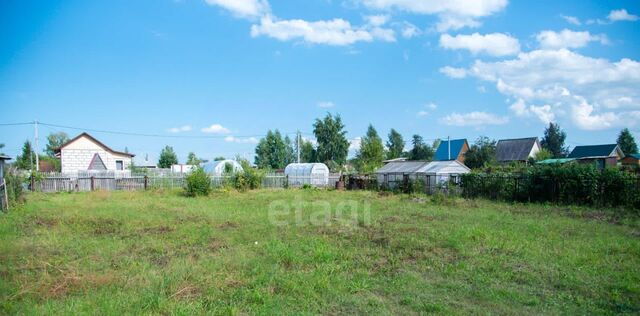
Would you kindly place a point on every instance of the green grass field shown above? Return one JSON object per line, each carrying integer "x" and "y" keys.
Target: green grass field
{"x": 162, "y": 253}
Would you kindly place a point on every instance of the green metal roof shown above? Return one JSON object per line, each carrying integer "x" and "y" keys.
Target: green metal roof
{"x": 593, "y": 151}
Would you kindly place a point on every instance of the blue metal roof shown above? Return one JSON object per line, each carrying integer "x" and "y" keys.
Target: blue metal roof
{"x": 442, "y": 154}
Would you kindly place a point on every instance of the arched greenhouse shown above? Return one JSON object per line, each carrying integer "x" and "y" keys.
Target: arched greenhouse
{"x": 315, "y": 174}
{"x": 218, "y": 168}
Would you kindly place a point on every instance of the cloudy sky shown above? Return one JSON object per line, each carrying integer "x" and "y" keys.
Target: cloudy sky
{"x": 212, "y": 76}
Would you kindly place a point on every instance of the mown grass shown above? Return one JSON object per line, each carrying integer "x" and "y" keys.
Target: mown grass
{"x": 162, "y": 253}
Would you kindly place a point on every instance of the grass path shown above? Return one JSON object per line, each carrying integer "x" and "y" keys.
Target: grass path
{"x": 159, "y": 253}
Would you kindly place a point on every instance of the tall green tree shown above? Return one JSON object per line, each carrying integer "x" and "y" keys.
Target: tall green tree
{"x": 193, "y": 160}
{"x": 27, "y": 159}
{"x": 627, "y": 143}
{"x": 420, "y": 150}
{"x": 290, "y": 151}
{"x": 395, "y": 145}
{"x": 371, "y": 153}
{"x": 307, "y": 152}
{"x": 272, "y": 151}
{"x": 167, "y": 157}
{"x": 481, "y": 154}
{"x": 54, "y": 141}
{"x": 1, "y": 146}
{"x": 333, "y": 145}
{"x": 553, "y": 140}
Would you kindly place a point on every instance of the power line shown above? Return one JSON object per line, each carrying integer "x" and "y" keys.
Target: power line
{"x": 16, "y": 124}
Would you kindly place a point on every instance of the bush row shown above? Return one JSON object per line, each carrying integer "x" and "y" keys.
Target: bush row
{"x": 569, "y": 184}
{"x": 198, "y": 182}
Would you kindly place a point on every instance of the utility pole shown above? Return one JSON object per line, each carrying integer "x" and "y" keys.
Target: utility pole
{"x": 449, "y": 145}
{"x": 35, "y": 125}
{"x": 298, "y": 146}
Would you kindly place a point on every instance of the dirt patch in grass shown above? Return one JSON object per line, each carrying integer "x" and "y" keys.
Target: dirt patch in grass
{"x": 158, "y": 230}
{"x": 69, "y": 283}
{"x": 228, "y": 225}
{"x": 186, "y": 292}
{"x": 216, "y": 244}
{"x": 105, "y": 226}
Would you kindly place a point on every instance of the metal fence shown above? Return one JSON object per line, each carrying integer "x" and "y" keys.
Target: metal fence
{"x": 59, "y": 182}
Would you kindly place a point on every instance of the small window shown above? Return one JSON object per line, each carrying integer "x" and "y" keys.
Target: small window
{"x": 119, "y": 165}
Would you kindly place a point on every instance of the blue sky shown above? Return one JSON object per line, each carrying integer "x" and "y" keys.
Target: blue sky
{"x": 232, "y": 69}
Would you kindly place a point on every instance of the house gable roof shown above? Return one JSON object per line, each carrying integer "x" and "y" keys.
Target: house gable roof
{"x": 442, "y": 153}
{"x": 93, "y": 139}
{"x": 515, "y": 149}
{"x": 595, "y": 151}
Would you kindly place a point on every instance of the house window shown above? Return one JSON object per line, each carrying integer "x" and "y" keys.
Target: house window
{"x": 119, "y": 165}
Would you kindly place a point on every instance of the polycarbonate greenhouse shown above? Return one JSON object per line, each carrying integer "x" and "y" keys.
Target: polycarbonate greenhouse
{"x": 315, "y": 174}
{"x": 217, "y": 168}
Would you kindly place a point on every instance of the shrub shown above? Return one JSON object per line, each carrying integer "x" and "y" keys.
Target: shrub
{"x": 249, "y": 179}
{"x": 14, "y": 186}
{"x": 198, "y": 183}
{"x": 567, "y": 184}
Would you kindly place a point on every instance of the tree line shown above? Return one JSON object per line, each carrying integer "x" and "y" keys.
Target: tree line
{"x": 331, "y": 146}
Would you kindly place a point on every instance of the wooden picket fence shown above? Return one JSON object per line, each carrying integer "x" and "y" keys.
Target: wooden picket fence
{"x": 4, "y": 197}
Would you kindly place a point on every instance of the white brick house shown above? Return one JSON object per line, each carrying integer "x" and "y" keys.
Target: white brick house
{"x": 85, "y": 153}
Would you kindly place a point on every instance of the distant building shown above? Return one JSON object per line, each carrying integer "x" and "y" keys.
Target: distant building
{"x": 182, "y": 168}
{"x": 85, "y": 153}
{"x": 600, "y": 155}
{"x": 433, "y": 173}
{"x": 146, "y": 164}
{"x": 631, "y": 160}
{"x": 456, "y": 151}
{"x": 517, "y": 150}
{"x": 3, "y": 158}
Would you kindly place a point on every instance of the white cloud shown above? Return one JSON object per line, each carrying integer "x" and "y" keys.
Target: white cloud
{"x": 409, "y": 30}
{"x": 326, "y": 104}
{"x": 336, "y": 32}
{"x": 494, "y": 44}
{"x": 185, "y": 128}
{"x": 621, "y": 15}
{"x": 216, "y": 129}
{"x": 452, "y": 72}
{"x": 243, "y": 8}
{"x": 354, "y": 144}
{"x": 567, "y": 39}
{"x": 544, "y": 113}
{"x": 247, "y": 140}
{"x": 377, "y": 20}
{"x": 452, "y": 14}
{"x": 473, "y": 119}
{"x": 591, "y": 91}
{"x": 571, "y": 20}
{"x": 427, "y": 109}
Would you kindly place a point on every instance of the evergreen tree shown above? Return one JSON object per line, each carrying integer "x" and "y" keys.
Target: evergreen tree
{"x": 481, "y": 154}
{"x": 167, "y": 158}
{"x": 290, "y": 151}
{"x": 333, "y": 145}
{"x": 54, "y": 141}
{"x": 420, "y": 150}
{"x": 553, "y": 141}
{"x": 26, "y": 160}
{"x": 1, "y": 146}
{"x": 395, "y": 145}
{"x": 219, "y": 158}
{"x": 627, "y": 143}
{"x": 371, "y": 153}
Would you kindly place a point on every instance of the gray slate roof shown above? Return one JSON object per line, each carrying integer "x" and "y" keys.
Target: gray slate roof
{"x": 515, "y": 149}
{"x": 402, "y": 167}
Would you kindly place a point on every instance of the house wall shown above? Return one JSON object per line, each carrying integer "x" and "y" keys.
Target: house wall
{"x": 77, "y": 156}
{"x": 463, "y": 151}
{"x": 630, "y": 161}
{"x": 534, "y": 150}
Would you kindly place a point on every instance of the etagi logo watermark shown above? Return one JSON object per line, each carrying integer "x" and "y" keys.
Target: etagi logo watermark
{"x": 301, "y": 212}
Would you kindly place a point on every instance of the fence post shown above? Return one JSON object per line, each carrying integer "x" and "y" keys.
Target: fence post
{"x": 146, "y": 182}
{"x": 92, "y": 183}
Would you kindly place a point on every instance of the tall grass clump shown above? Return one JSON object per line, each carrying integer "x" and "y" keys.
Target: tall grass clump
{"x": 198, "y": 183}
